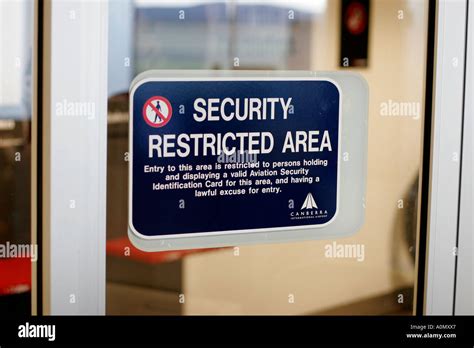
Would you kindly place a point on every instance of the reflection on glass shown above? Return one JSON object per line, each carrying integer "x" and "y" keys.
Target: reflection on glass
{"x": 293, "y": 278}
{"x": 15, "y": 126}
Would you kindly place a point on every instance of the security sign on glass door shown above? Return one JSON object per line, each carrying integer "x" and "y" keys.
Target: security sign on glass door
{"x": 233, "y": 156}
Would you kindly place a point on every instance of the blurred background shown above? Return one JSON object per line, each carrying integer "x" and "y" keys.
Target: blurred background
{"x": 383, "y": 40}
{"x": 16, "y": 38}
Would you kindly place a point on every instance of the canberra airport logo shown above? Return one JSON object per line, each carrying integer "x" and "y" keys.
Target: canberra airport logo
{"x": 309, "y": 210}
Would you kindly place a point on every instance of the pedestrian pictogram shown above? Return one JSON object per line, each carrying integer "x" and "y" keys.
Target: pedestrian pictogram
{"x": 157, "y": 111}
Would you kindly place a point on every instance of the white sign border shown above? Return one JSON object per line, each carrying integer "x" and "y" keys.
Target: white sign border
{"x": 207, "y": 239}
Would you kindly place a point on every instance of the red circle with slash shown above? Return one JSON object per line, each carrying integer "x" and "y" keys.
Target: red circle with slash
{"x": 154, "y": 114}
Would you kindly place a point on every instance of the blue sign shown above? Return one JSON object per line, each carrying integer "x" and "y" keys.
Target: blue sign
{"x": 233, "y": 155}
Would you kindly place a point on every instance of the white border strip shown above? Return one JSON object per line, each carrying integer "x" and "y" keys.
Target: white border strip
{"x": 74, "y": 158}
{"x": 445, "y": 157}
{"x": 464, "y": 301}
{"x": 353, "y": 173}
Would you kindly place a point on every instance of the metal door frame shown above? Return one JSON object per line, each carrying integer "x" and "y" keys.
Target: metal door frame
{"x": 448, "y": 227}
{"x": 71, "y": 237}
{"x": 69, "y": 165}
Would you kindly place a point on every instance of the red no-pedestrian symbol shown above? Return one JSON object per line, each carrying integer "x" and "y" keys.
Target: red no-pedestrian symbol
{"x": 157, "y": 111}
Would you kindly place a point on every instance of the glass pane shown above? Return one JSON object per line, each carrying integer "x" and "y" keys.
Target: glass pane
{"x": 384, "y": 41}
{"x": 15, "y": 155}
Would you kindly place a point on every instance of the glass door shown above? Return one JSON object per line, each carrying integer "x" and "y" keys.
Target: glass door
{"x": 90, "y": 51}
{"x": 377, "y": 273}
{"x": 16, "y": 48}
